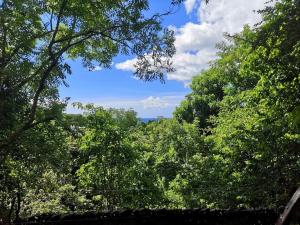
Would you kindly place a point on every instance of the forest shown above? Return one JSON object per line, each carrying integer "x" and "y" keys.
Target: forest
{"x": 233, "y": 142}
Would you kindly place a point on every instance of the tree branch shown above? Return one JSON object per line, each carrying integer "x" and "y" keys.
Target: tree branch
{"x": 54, "y": 59}
{"x": 4, "y": 61}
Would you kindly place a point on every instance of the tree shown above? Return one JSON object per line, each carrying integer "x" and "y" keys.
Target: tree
{"x": 107, "y": 155}
{"x": 23, "y": 174}
{"x": 202, "y": 103}
{"x": 255, "y": 129}
{"x": 172, "y": 146}
{"x": 38, "y": 36}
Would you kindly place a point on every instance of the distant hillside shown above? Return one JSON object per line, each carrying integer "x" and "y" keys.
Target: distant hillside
{"x": 146, "y": 120}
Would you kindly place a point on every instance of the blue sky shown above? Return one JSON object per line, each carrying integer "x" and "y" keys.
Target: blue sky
{"x": 198, "y": 28}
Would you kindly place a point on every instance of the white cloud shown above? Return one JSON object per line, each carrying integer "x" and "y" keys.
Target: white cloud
{"x": 195, "y": 37}
{"x": 188, "y": 65}
{"x": 195, "y": 42}
{"x": 230, "y": 15}
{"x": 154, "y": 102}
{"x": 127, "y": 65}
{"x": 151, "y": 106}
{"x": 189, "y": 5}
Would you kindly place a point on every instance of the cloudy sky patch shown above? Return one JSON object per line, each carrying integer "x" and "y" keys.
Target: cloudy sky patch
{"x": 197, "y": 26}
{"x": 195, "y": 41}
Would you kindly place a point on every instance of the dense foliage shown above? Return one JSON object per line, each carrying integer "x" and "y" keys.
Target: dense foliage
{"x": 233, "y": 142}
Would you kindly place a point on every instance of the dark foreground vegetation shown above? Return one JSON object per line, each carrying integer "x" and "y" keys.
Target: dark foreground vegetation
{"x": 163, "y": 217}
{"x": 234, "y": 142}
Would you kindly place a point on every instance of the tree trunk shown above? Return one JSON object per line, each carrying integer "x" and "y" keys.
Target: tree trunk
{"x": 13, "y": 201}
{"x": 18, "y": 206}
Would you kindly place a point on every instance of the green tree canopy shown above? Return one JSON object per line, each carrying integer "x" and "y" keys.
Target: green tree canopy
{"x": 38, "y": 36}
